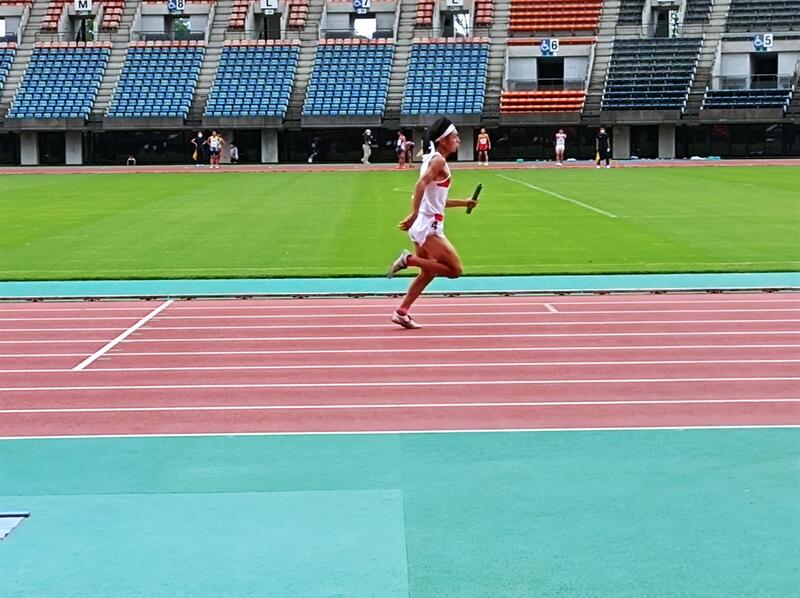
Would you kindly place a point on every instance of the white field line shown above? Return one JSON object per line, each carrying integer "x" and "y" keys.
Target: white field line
{"x": 609, "y": 348}
{"x": 404, "y": 336}
{"x": 473, "y": 324}
{"x": 559, "y": 196}
{"x": 355, "y": 366}
{"x": 280, "y": 304}
{"x": 371, "y": 406}
{"x": 686, "y": 428}
{"x": 421, "y": 312}
{"x": 395, "y": 384}
{"x": 111, "y": 344}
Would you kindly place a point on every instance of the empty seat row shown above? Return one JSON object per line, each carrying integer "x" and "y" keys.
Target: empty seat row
{"x": 529, "y": 102}
{"x": 447, "y": 78}
{"x": 253, "y": 81}
{"x": 156, "y": 81}
{"x": 60, "y": 82}
{"x": 349, "y": 79}
{"x": 650, "y": 74}
{"x": 528, "y": 16}
{"x": 746, "y": 98}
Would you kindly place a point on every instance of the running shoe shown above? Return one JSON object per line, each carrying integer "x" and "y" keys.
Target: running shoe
{"x": 405, "y": 321}
{"x": 401, "y": 263}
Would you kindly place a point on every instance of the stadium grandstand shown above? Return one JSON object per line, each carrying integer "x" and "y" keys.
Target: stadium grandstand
{"x": 96, "y": 81}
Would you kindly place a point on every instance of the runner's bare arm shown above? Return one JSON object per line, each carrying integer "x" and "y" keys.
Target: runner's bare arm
{"x": 435, "y": 168}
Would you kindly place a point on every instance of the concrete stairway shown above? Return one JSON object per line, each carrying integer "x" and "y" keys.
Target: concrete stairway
{"x": 309, "y": 39}
{"x": 23, "y": 54}
{"x": 402, "y": 55}
{"x": 602, "y": 58}
{"x": 208, "y": 72}
{"x": 119, "y": 48}
{"x": 712, "y": 33}
{"x": 496, "y": 67}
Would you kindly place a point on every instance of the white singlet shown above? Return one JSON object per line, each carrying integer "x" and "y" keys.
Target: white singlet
{"x": 213, "y": 143}
{"x": 430, "y": 220}
{"x": 561, "y": 140}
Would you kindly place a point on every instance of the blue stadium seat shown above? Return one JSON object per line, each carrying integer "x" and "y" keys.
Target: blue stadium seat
{"x": 349, "y": 78}
{"x": 446, "y": 78}
{"x": 253, "y": 81}
{"x": 650, "y": 74}
{"x": 747, "y": 98}
{"x": 157, "y": 81}
{"x": 61, "y": 82}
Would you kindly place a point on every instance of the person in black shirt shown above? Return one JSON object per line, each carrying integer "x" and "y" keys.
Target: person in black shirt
{"x": 603, "y": 146}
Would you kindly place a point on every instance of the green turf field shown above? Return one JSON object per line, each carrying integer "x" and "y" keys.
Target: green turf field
{"x": 227, "y": 224}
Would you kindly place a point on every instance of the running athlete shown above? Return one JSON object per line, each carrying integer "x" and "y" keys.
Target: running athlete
{"x": 483, "y": 146}
{"x": 433, "y": 254}
{"x": 561, "y": 142}
{"x": 215, "y": 143}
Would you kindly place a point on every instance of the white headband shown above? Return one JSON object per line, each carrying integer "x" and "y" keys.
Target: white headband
{"x": 448, "y": 131}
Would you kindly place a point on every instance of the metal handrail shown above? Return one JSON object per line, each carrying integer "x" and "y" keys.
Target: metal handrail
{"x": 544, "y": 84}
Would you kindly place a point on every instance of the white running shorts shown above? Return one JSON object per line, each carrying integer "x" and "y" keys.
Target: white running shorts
{"x": 425, "y": 226}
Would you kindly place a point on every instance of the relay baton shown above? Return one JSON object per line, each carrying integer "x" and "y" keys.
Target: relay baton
{"x": 475, "y": 196}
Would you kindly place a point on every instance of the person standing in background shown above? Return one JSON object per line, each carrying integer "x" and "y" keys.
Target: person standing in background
{"x": 561, "y": 144}
{"x": 366, "y": 146}
{"x": 483, "y": 145}
{"x": 603, "y": 146}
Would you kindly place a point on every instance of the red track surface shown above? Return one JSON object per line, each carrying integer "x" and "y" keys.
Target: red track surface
{"x": 204, "y": 367}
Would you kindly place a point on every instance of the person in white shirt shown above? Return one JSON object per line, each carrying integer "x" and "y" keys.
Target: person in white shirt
{"x": 561, "y": 143}
{"x": 433, "y": 254}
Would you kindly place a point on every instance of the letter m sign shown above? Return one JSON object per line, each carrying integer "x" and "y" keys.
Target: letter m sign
{"x": 83, "y": 5}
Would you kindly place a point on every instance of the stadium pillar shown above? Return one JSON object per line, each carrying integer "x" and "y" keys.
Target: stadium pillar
{"x": 466, "y": 151}
{"x": 29, "y": 148}
{"x": 269, "y": 146}
{"x": 621, "y": 142}
{"x": 74, "y": 148}
{"x": 666, "y": 141}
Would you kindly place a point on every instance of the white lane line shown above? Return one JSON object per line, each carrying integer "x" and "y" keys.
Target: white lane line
{"x": 608, "y": 348}
{"x": 381, "y": 323}
{"x": 369, "y": 406}
{"x": 368, "y": 366}
{"x": 390, "y": 383}
{"x": 314, "y": 304}
{"x": 686, "y": 428}
{"x": 421, "y": 312}
{"x": 111, "y": 344}
{"x": 402, "y": 336}
{"x": 559, "y": 196}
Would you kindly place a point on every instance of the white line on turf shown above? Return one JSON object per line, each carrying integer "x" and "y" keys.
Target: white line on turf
{"x": 559, "y": 196}
{"x": 390, "y": 383}
{"x": 397, "y": 366}
{"x": 368, "y": 406}
{"x": 111, "y": 344}
{"x": 687, "y": 428}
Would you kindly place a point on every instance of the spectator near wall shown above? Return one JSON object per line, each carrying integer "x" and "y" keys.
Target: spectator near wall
{"x": 234, "y": 153}
{"x": 366, "y": 145}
